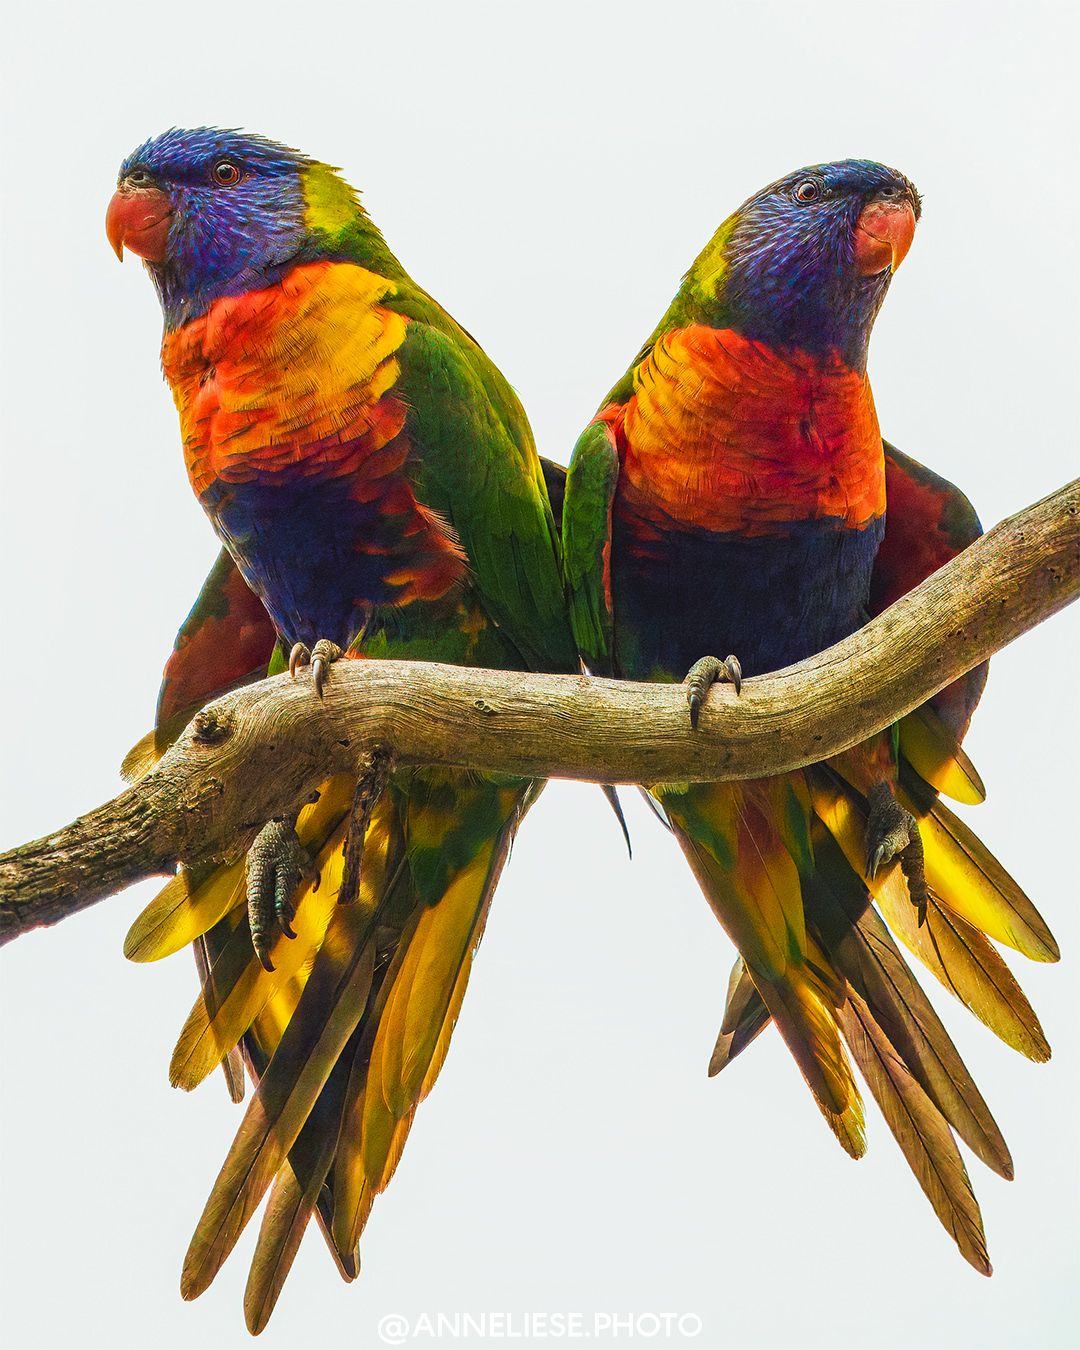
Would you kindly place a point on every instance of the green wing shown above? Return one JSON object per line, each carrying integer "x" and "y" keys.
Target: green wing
{"x": 586, "y": 528}
{"x": 476, "y": 464}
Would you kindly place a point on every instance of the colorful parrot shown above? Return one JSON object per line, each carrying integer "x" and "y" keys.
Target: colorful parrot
{"x": 374, "y": 482}
{"x": 733, "y": 494}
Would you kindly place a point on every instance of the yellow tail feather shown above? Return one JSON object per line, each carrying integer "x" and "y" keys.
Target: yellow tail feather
{"x": 415, "y": 1012}
{"x": 177, "y": 915}
{"x": 936, "y": 756}
{"x": 205, "y": 1040}
{"x": 967, "y": 878}
{"x": 958, "y": 954}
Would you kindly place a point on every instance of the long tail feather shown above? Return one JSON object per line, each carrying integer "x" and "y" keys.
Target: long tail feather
{"x": 293, "y": 1199}
{"x": 742, "y": 842}
{"x": 232, "y": 1065}
{"x": 745, "y": 1018}
{"x": 919, "y": 1129}
{"x": 957, "y": 953}
{"x": 239, "y": 988}
{"x": 859, "y": 945}
{"x": 330, "y": 1008}
{"x": 966, "y": 877}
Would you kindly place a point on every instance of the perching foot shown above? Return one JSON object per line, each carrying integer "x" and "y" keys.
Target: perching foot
{"x": 703, "y": 675}
{"x": 276, "y": 863}
{"x": 892, "y": 832}
{"x": 321, "y": 657}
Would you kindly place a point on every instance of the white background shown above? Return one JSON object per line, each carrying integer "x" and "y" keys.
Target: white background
{"x": 548, "y": 172}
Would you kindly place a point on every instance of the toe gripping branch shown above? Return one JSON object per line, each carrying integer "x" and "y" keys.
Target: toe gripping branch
{"x": 892, "y": 832}
{"x": 276, "y": 864}
{"x": 277, "y": 861}
{"x": 320, "y": 657}
{"x": 703, "y": 675}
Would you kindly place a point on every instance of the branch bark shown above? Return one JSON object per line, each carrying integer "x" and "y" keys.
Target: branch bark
{"x": 259, "y": 751}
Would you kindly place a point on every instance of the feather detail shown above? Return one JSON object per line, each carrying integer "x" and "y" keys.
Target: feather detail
{"x": 292, "y": 1201}
{"x": 239, "y": 988}
{"x": 420, "y": 1008}
{"x": 330, "y": 1007}
{"x": 957, "y": 954}
{"x": 934, "y": 753}
{"x": 919, "y": 1129}
{"x": 860, "y": 948}
{"x": 965, "y": 876}
{"x": 745, "y": 1018}
{"x": 232, "y": 1065}
{"x": 734, "y": 837}
{"x": 186, "y": 906}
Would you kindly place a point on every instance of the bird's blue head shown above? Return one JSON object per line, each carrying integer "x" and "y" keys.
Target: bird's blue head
{"x": 216, "y": 212}
{"x": 806, "y": 262}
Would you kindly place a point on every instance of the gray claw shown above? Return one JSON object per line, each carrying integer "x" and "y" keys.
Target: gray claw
{"x": 892, "y": 832}
{"x": 703, "y": 675}
{"x": 276, "y": 864}
{"x": 321, "y": 657}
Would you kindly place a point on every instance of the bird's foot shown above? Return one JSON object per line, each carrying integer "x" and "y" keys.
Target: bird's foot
{"x": 703, "y": 674}
{"x": 892, "y": 832}
{"x": 276, "y": 864}
{"x": 321, "y": 657}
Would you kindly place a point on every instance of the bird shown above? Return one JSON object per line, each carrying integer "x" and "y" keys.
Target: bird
{"x": 376, "y": 489}
{"x": 733, "y": 494}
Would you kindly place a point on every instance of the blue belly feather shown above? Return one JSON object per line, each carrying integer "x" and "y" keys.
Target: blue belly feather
{"x": 770, "y": 600}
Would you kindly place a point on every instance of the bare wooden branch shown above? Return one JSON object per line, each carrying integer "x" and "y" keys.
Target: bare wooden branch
{"x": 260, "y": 751}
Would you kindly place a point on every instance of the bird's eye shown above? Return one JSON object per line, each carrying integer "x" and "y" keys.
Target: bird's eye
{"x": 807, "y": 191}
{"x": 226, "y": 173}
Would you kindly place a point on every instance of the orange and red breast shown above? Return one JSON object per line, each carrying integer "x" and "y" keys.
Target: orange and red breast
{"x": 294, "y": 388}
{"x": 293, "y": 379}
{"x": 724, "y": 434}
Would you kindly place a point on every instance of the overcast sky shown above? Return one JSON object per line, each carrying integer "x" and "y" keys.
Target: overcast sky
{"x": 548, "y": 172}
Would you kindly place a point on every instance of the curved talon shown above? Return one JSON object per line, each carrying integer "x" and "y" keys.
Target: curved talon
{"x": 703, "y": 675}
{"x": 299, "y": 656}
{"x": 323, "y": 655}
{"x": 276, "y": 863}
{"x": 892, "y": 832}
{"x": 320, "y": 657}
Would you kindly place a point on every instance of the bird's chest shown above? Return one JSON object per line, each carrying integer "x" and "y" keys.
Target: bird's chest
{"x": 294, "y": 381}
{"x": 750, "y": 505}
{"x": 723, "y": 434}
{"x": 293, "y": 425}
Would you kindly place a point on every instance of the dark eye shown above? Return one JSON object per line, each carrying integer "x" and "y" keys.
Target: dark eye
{"x": 807, "y": 191}
{"x": 226, "y": 173}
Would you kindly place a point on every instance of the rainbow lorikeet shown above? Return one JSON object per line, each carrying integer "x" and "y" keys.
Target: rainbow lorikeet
{"x": 733, "y": 495}
{"x": 374, "y": 482}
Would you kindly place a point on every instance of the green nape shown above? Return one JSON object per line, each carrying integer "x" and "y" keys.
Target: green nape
{"x": 334, "y": 210}
{"x": 698, "y": 300}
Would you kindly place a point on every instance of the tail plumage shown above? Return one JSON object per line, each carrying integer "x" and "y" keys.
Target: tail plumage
{"x": 348, "y": 1033}
{"x": 781, "y": 862}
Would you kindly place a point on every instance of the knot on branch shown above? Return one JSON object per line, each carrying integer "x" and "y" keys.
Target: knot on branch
{"x": 211, "y": 726}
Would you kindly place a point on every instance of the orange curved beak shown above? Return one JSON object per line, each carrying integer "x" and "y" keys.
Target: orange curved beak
{"x": 883, "y": 235}
{"x": 138, "y": 219}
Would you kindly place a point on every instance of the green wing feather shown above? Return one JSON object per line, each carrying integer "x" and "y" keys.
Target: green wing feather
{"x": 477, "y": 466}
{"x": 590, "y": 489}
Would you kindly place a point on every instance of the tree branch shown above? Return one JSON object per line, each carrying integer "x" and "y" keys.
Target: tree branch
{"x": 259, "y": 751}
